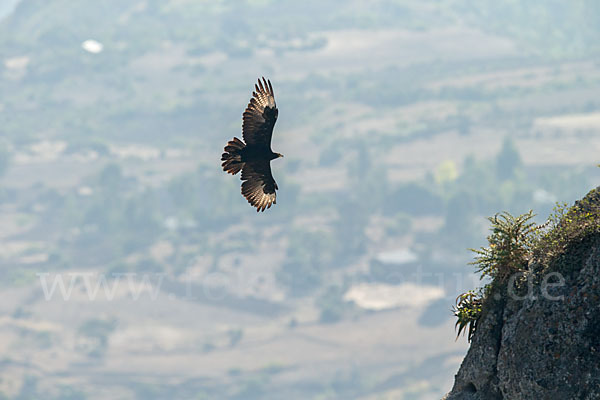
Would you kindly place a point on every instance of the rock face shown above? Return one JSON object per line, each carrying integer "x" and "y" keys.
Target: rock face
{"x": 545, "y": 345}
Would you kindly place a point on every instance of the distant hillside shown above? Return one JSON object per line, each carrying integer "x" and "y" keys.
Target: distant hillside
{"x": 155, "y": 73}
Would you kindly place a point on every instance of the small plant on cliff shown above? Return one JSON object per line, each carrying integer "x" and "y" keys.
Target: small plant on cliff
{"x": 467, "y": 312}
{"x": 568, "y": 225}
{"x": 509, "y": 250}
{"x": 510, "y": 246}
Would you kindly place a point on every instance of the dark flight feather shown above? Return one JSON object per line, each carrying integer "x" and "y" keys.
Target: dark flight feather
{"x": 260, "y": 115}
{"x": 258, "y": 185}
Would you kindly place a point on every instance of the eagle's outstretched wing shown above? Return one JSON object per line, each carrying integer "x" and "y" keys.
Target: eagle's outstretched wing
{"x": 258, "y": 186}
{"x": 260, "y": 115}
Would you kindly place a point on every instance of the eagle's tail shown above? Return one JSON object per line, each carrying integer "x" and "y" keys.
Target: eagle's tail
{"x": 232, "y": 158}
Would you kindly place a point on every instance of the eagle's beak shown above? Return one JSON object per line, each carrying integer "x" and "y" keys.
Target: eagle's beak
{"x": 280, "y": 155}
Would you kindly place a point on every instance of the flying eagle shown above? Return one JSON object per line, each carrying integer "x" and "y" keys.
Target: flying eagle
{"x": 254, "y": 156}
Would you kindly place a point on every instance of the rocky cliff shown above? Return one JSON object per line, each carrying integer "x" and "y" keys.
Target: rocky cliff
{"x": 542, "y": 341}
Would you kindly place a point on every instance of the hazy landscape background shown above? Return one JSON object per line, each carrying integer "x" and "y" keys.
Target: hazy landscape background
{"x": 132, "y": 268}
